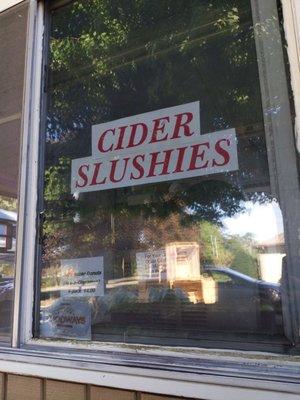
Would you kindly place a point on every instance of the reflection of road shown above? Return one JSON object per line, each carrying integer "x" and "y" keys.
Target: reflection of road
{"x": 240, "y": 304}
{"x": 115, "y": 283}
{"x": 7, "y": 258}
{"x": 230, "y": 286}
{"x": 54, "y": 289}
{"x": 186, "y": 319}
{"x": 111, "y": 284}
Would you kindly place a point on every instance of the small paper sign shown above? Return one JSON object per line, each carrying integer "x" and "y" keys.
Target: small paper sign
{"x": 82, "y": 277}
{"x": 68, "y": 319}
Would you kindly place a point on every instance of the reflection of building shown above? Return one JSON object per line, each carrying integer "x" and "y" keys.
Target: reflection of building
{"x": 183, "y": 261}
{"x": 8, "y": 221}
{"x": 178, "y": 261}
{"x": 270, "y": 256}
{"x": 175, "y": 266}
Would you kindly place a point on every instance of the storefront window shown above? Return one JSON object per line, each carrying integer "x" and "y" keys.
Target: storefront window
{"x": 160, "y": 218}
{"x": 13, "y": 24}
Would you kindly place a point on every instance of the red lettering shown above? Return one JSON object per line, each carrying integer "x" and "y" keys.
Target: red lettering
{"x": 159, "y": 129}
{"x": 165, "y": 163}
{"x": 219, "y": 149}
{"x": 180, "y": 124}
{"x": 121, "y": 138}
{"x": 101, "y": 140}
{"x": 83, "y": 176}
{"x": 95, "y": 175}
{"x": 196, "y": 155}
{"x": 181, "y": 152}
{"x": 133, "y": 134}
{"x": 113, "y": 170}
{"x": 138, "y": 166}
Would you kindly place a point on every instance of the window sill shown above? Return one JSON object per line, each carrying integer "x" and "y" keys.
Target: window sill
{"x": 211, "y": 375}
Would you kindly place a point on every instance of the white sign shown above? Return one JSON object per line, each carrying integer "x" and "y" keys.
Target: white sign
{"x": 146, "y": 131}
{"x": 69, "y": 318}
{"x": 151, "y": 265}
{"x": 82, "y": 277}
{"x": 153, "y": 147}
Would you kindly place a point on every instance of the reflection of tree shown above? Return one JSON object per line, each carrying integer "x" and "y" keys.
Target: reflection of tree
{"x": 146, "y": 55}
{"x": 108, "y": 220}
{"x": 225, "y": 250}
{"x": 158, "y": 231}
{"x": 114, "y": 59}
{"x": 213, "y": 246}
{"x": 8, "y": 203}
{"x": 7, "y": 269}
{"x": 244, "y": 255}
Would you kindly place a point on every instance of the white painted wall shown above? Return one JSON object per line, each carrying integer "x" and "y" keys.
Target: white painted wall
{"x": 271, "y": 266}
{"x": 4, "y": 4}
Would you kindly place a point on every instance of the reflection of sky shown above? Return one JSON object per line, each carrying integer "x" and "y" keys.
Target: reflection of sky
{"x": 264, "y": 221}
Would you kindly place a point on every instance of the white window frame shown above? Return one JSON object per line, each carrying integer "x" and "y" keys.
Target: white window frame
{"x": 196, "y": 373}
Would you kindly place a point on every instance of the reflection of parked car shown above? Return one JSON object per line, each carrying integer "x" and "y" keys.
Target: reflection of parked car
{"x": 243, "y": 287}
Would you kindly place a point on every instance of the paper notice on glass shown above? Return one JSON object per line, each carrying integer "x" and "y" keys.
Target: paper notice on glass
{"x": 82, "y": 277}
{"x": 151, "y": 265}
{"x": 68, "y": 319}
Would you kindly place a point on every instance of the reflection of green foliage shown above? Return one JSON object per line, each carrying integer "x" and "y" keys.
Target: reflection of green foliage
{"x": 213, "y": 245}
{"x": 223, "y": 250}
{"x": 56, "y": 180}
{"x": 120, "y": 300}
{"x": 58, "y": 201}
{"x": 7, "y": 270}
{"x": 111, "y": 59}
{"x": 213, "y": 199}
{"x": 8, "y": 203}
{"x": 166, "y": 52}
{"x": 166, "y": 295}
{"x": 244, "y": 256}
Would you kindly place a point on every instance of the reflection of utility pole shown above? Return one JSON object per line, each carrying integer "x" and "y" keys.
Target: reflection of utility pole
{"x": 123, "y": 266}
{"x": 214, "y": 246}
{"x": 112, "y": 226}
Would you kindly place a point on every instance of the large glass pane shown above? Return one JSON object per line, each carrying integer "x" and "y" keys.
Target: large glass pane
{"x": 160, "y": 221}
{"x": 13, "y": 24}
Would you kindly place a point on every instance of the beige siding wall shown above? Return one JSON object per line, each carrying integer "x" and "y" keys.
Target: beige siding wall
{"x": 17, "y": 387}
